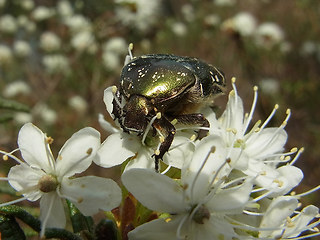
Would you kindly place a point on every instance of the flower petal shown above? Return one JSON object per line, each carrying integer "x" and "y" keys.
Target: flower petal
{"x": 156, "y": 229}
{"x": 117, "y": 148}
{"x": 106, "y": 125}
{"x": 51, "y": 207}
{"x": 279, "y": 209}
{"x": 34, "y": 147}
{"x": 108, "y": 99}
{"x": 231, "y": 200}
{"x": 77, "y": 153}
{"x": 25, "y": 179}
{"x": 155, "y": 191}
{"x": 91, "y": 194}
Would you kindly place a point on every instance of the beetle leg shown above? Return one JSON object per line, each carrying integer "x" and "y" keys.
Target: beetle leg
{"x": 167, "y": 131}
{"x": 195, "y": 118}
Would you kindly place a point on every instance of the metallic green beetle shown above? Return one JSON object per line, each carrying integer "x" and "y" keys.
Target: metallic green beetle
{"x": 156, "y": 89}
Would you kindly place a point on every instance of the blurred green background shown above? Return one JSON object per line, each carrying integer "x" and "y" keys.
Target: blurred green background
{"x": 57, "y": 57}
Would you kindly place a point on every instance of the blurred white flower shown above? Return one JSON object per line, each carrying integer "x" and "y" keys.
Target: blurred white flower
{"x": 201, "y": 205}
{"x": 56, "y": 63}
{"x": 111, "y": 61}
{"x": 5, "y": 54}
{"x": 212, "y": 20}
{"x": 83, "y": 41}
{"x": 22, "y": 117}
{"x": 49, "y": 41}
{"x": 268, "y": 35}
{"x": 48, "y": 115}
{"x": 223, "y": 3}
{"x": 21, "y": 48}
{"x": 41, "y": 13}
{"x": 243, "y": 23}
{"x": 26, "y": 24}
{"x": 269, "y": 86}
{"x": 188, "y": 12}
{"x": 26, "y": 4}
{"x": 117, "y": 45}
{"x": 64, "y": 8}
{"x": 77, "y": 23}
{"x": 8, "y": 24}
{"x": 16, "y": 88}
{"x": 78, "y": 103}
{"x": 42, "y": 177}
{"x": 179, "y": 29}
{"x": 141, "y": 14}
{"x": 2, "y": 3}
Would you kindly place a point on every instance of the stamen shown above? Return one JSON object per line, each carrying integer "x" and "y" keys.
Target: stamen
{"x": 276, "y": 107}
{"x": 9, "y": 154}
{"x": 147, "y": 130}
{"x": 297, "y": 156}
{"x": 308, "y": 192}
{"x": 178, "y": 233}
{"x": 130, "y": 48}
{"x": 253, "y": 106}
{"x": 13, "y": 202}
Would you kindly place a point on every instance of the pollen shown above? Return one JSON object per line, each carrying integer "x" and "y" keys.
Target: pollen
{"x": 114, "y": 89}
{"x": 89, "y": 151}
{"x": 161, "y": 139}
{"x": 157, "y": 152}
{"x": 80, "y": 200}
{"x": 49, "y": 140}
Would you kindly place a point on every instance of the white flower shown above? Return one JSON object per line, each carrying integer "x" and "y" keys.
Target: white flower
{"x": 22, "y": 48}
{"x": 141, "y": 14}
{"x": 268, "y": 35}
{"x": 269, "y": 86}
{"x": 25, "y": 23}
{"x": 179, "y": 29}
{"x": 82, "y": 41}
{"x": 49, "y": 41}
{"x": 200, "y": 205}
{"x": 5, "y": 55}
{"x": 243, "y": 23}
{"x": 78, "y": 23}
{"x": 64, "y": 8}
{"x": 41, "y": 13}
{"x": 15, "y": 88}
{"x": 42, "y": 177}
{"x": 56, "y": 63}
{"x": 120, "y": 146}
{"x": 48, "y": 115}
{"x": 27, "y": 4}
{"x": 261, "y": 148}
{"x": 278, "y": 217}
{"x": 78, "y": 103}
{"x": 8, "y": 24}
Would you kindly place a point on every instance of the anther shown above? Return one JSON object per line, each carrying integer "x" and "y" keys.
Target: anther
{"x": 5, "y": 157}
{"x": 233, "y": 80}
{"x": 89, "y": 151}
{"x": 114, "y": 89}
{"x": 49, "y": 140}
{"x": 158, "y": 115}
{"x": 157, "y": 152}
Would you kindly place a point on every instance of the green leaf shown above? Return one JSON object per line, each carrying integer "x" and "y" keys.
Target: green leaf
{"x": 10, "y": 229}
{"x": 78, "y": 220}
{"x": 13, "y": 105}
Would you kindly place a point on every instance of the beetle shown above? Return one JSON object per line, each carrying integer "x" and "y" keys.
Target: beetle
{"x": 158, "y": 90}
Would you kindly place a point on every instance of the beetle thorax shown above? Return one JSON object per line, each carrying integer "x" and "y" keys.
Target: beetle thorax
{"x": 136, "y": 112}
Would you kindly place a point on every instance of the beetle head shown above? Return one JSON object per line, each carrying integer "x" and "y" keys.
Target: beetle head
{"x": 135, "y": 114}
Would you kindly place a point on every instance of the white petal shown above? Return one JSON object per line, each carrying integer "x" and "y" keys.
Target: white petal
{"x": 91, "y": 194}
{"x": 32, "y": 144}
{"x": 279, "y": 209}
{"x": 156, "y": 229}
{"x": 25, "y": 179}
{"x": 51, "y": 206}
{"x": 143, "y": 159}
{"x": 155, "y": 191}
{"x": 108, "y": 98}
{"x": 180, "y": 152}
{"x": 232, "y": 118}
{"x": 300, "y": 221}
{"x": 77, "y": 153}
{"x": 266, "y": 142}
{"x": 199, "y": 183}
{"x": 106, "y": 125}
{"x": 117, "y": 148}
{"x": 231, "y": 200}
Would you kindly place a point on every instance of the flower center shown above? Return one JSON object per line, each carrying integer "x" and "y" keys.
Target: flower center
{"x": 201, "y": 213}
{"x": 48, "y": 183}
